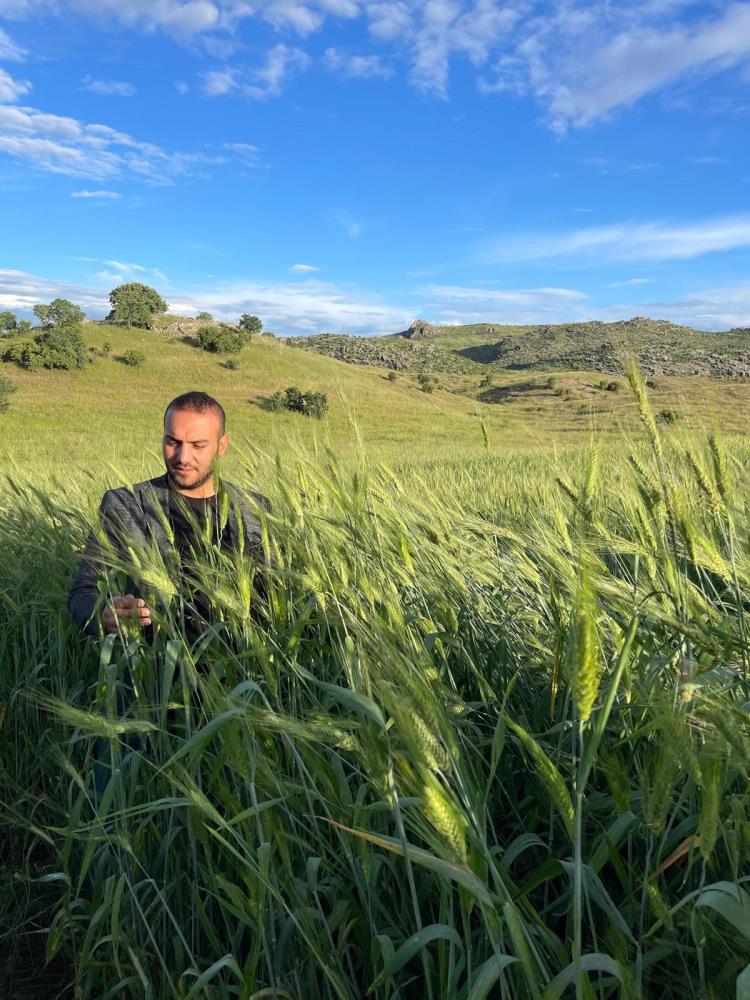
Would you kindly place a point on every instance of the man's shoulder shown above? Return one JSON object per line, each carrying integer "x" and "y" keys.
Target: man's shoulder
{"x": 130, "y": 496}
{"x": 243, "y": 496}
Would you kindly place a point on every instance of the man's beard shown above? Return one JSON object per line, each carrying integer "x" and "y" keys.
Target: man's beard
{"x": 190, "y": 485}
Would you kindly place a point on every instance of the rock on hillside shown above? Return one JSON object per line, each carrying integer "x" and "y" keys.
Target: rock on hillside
{"x": 420, "y": 328}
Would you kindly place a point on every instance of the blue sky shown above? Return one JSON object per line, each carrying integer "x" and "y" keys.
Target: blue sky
{"x": 345, "y": 165}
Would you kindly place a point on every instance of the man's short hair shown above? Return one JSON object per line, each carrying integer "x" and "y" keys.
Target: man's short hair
{"x": 197, "y": 402}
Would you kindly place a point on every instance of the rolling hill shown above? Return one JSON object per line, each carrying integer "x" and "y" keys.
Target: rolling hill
{"x": 661, "y": 348}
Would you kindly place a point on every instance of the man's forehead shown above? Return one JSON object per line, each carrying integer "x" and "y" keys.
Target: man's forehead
{"x": 188, "y": 424}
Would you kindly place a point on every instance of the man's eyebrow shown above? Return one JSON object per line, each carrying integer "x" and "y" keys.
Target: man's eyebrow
{"x": 171, "y": 437}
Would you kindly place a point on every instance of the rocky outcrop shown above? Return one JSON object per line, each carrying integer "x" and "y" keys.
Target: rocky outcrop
{"x": 419, "y": 329}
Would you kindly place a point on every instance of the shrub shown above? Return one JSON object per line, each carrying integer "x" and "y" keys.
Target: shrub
{"x": 312, "y": 404}
{"x": 650, "y": 384}
{"x": 551, "y": 382}
{"x": 205, "y": 316}
{"x": 231, "y": 364}
{"x": 274, "y": 403}
{"x": 426, "y": 383}
{"x": 60, "y": 347}
{"x": 391, "y": 376}
{"x": 668, "y": 416}
{"x": 133, "y": 358}
{"x": 106, "y": 348}
{"x": 7, "y": 388}
{"x": 609, "y": 386}
{"x": 486, "y": 381}
{"x": 221, "y": 339}
{"x": 135, "y": 304}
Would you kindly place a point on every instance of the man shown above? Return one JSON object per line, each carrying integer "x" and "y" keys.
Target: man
{"x": 189, "y": 502}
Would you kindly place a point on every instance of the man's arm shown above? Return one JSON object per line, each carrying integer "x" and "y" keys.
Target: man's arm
{"x": 84, "y": 596}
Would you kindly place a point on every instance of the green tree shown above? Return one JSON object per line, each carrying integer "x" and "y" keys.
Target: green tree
{"x": 250, "y": 325}
{"x": 59, "y": 312}
{"x": 135, "y": 304}
{"x": 7, "y": 321}
{"x": 24, "y": 327}
{"x": 205, "y": 316}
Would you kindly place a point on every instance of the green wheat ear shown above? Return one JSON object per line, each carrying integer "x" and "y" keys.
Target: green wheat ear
{"x": 587, "y": 664}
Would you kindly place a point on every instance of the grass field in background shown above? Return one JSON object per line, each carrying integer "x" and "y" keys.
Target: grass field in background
{"x": 111, "y": 413}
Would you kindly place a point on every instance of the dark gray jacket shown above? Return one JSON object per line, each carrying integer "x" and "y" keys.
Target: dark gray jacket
{"x": 137, "y": 515}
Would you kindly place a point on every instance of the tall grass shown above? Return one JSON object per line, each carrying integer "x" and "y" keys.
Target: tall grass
{"x": 487, "y": 736}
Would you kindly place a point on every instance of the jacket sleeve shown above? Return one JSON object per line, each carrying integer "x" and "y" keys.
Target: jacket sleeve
{"x": 84, "y": 592}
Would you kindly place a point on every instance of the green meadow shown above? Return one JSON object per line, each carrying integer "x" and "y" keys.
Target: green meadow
{"x": 487, "y": 735}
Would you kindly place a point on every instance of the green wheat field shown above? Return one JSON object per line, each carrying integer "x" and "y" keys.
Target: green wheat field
{"x": 488, "y": 736}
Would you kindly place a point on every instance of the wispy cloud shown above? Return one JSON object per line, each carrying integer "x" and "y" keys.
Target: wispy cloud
{"x": 348, "y": 223}
{"x": 303, "y": 268}
{"x": 629, "y": 281}
{"x": 584, "y": 61}
{"x": 97, "y": 195}
{"x": 10, "y": 51}
{"x": 109, "y": 88}
{"x": 11, "y": 89}
{"x": 646, "y": 241}
{"x": 350, "y": 66}
{"x": 517, "y": 296}
{"x": 64, "y": 145}
{"x": 261, "y": 84}
{"x": 580, "y": 60}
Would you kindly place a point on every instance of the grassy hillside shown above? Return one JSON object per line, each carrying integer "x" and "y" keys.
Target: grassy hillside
{"x": 110, "y": 414}
{"x": 661, "y": 348}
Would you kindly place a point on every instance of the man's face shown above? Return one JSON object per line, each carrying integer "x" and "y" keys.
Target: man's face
{"x": 191, "y": 443}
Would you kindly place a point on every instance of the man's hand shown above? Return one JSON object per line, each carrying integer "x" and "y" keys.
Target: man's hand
{"x": 127, "y": 607}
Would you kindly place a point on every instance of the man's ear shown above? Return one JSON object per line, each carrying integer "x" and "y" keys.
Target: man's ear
{"x": 223, "y": 443}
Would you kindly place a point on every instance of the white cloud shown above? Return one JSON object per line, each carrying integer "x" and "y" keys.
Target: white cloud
{"x": 583, "y": 61}
{"x": 110, "y": 88}
{"x": 10, "y": 89}
{"x": 10, "y": 51}
{"x": 470, "y": 304}
{"x": 260, "y": 84}
{"x": 19, "y": 290}
{"x": 103, "y": 195}
{"x": 65, "y": 145}
{"x": 303, "y": 268}
{"x": 181, "y": 86}
{"x": 627, "y": 241}
{"x": 356, "y": 66}
{"x": 298, "y": 307}
{"x": 310, "y": 306}
{"x": 518, "y": 296}
{"x": 245, "y": 151}
{"x": 580, "y": 59}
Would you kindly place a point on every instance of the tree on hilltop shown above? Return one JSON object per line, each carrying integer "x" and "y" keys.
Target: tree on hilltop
{"x": 59, "y": 312}
{"x": 7, "y": 321}
{"x": 135, "y": 304}
{"x": 250, "y": 325}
